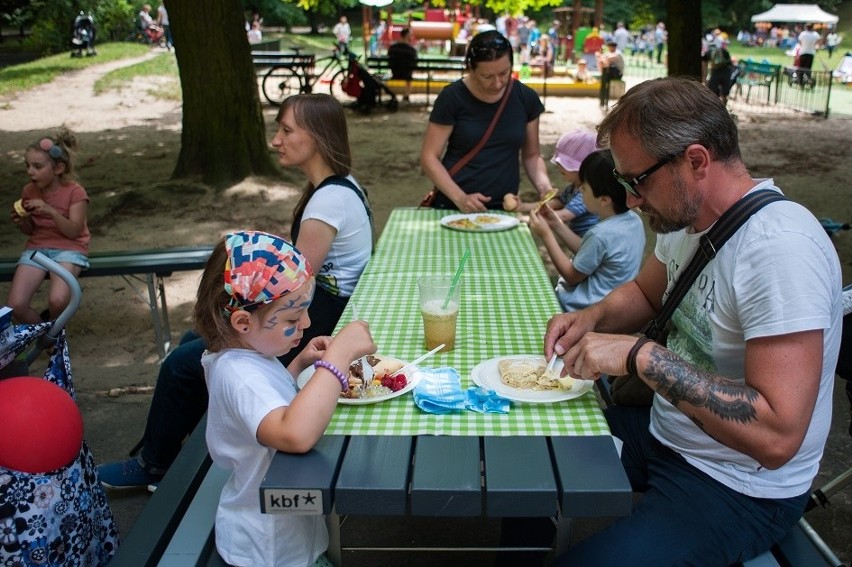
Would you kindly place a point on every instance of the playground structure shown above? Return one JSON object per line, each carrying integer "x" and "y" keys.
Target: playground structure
{"x": 440, "y": 27}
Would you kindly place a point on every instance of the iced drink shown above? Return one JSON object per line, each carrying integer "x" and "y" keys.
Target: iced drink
{"x": 439, "y": 321}
{"x": 439, "y": 325}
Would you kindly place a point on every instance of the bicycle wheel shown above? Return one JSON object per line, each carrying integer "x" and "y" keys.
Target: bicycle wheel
{"x": 335, "y": 86}
{"x": 279, "y": 83}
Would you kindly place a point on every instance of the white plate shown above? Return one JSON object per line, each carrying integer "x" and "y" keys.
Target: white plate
{"x": 413, "y": 378}
{"x": 502, "y": 222}
{"x": 487, "y": 375}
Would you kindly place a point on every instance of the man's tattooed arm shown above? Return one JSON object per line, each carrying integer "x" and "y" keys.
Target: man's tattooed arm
{"x": 681, "y": 383}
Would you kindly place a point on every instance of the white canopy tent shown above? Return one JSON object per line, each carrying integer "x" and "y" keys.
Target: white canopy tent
{"x": 796, "y": 13}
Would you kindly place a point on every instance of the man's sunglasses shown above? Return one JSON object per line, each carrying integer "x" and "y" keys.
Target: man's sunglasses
{"x": 631, "y": 184}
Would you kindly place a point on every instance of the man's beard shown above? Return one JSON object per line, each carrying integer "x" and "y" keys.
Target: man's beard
{"x": 681, "y": 214}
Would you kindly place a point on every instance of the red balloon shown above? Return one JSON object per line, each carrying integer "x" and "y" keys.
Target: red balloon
{"x": 42, "y": 429}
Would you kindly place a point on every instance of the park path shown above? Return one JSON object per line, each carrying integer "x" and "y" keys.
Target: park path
{"x": 70, "y": 100}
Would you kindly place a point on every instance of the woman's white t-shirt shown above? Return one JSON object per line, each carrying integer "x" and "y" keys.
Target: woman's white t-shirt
{"x": 339, "y": 207}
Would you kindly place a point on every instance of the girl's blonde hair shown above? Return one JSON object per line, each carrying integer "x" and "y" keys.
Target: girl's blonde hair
{"x": 61, "y": 148}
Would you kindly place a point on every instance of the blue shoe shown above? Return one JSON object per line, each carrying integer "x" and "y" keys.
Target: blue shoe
{"x": 126, "y": 474}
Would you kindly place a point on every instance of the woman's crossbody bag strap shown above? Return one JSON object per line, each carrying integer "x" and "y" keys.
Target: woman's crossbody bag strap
{"x": 362, "y": 194}
{"x": 430, "y": 196}
{"x": 475, "y": 150}
{"x": 709, "y": 245}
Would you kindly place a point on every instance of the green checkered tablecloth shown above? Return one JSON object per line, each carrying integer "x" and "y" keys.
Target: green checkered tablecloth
{"x": 506, "y": 301}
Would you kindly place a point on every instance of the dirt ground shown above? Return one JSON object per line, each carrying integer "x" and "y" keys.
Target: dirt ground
{"x": 129, "y": 145}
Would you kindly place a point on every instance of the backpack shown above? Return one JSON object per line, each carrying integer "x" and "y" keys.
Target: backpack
{"x": 351, "y": 84}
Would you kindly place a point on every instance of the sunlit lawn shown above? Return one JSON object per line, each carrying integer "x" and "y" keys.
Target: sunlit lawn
{"x": 28, "y": 75}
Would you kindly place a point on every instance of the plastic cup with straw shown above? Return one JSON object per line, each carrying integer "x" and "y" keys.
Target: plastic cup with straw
{"x": 456, "y": 278}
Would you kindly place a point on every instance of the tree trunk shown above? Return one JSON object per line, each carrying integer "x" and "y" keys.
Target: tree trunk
{"x": 684, "y": 45}
{"x": 223, "y": 140}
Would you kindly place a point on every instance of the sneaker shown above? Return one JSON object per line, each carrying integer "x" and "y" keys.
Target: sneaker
{"x": 152, "y": 488}
{"x": 126, "y": 474}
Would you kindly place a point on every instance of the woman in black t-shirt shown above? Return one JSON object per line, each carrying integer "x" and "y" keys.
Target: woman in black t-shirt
{"x": 459, "y": 120}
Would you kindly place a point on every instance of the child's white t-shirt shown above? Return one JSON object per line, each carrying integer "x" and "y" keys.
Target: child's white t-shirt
{"x": 244, "y": 387}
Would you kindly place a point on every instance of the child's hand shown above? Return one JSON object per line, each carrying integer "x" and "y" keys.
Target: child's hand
{"x": 538, "y": 225}
{"x": 38, "y": 207}
{"x": 312, "y": 352}
{"x": 353, "y": 341}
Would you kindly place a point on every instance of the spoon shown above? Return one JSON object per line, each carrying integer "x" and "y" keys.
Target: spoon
{"x": 417, "y": 361}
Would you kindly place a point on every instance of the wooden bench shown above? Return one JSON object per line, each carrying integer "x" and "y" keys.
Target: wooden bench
{"x": 754, "y": 74}
{"x": 801, "y": 547}
{"x": 264, "y": 60}
{"x": 176, "y": 527}
{"x": 150, "y": 266}
{"x": 428, "y": 68}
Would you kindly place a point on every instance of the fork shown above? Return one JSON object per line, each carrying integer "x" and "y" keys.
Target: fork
{"x": 366, "y": 370}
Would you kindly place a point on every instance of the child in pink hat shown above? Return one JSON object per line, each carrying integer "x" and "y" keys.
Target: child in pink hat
{"x": 571, "y": 149}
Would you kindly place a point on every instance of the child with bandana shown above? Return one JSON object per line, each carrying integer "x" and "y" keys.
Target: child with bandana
{"x": 52, "y": 213}
{"x": 251, "y": 308}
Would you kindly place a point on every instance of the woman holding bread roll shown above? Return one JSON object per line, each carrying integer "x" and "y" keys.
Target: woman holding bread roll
{"x": 52, "y": 213}
{"x": 460, "y": 121}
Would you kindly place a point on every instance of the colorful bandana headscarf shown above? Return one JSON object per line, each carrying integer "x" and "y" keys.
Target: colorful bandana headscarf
{"x": 260, "y": 268}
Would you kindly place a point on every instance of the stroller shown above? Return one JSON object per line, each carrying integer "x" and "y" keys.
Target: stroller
{"x": 83, "y": 36}
{"x": 367, "y": 89}
{"x": 60, "y": 516}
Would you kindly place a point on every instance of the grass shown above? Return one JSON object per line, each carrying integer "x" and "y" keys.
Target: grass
{"x": 164, "y": 65}
{"x": 28, "y": 75}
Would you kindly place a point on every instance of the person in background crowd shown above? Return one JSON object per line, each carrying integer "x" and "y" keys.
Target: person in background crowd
{"x": 402, "y": 60}
{"x": 809, "y": 41}
{"x": 621, "y": 37}
{"x": 611, "y": 64}
{"x": 343, "y": 34}
{"x": 660, "y": 38}
{"x": 163, "y": 22}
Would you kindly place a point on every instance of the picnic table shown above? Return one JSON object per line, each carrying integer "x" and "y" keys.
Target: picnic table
{"x": 391, "y": 458}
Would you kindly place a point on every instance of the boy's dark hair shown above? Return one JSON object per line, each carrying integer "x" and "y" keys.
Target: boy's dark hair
{"x": 596, "y": 170}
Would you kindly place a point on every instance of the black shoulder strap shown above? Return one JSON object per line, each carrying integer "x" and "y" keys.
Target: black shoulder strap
{"x": 709, "y": 244}
{"x": 362, "y": 194}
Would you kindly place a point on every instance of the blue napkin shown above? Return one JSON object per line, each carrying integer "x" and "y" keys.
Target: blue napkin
{"x": 486, "y": 401}
{"x": 439, "y": 391}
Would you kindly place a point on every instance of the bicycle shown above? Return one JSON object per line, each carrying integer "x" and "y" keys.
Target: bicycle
{"x": 295, "y": 75}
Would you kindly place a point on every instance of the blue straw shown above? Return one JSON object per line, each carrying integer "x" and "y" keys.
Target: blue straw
{"x": 456, "y": 277}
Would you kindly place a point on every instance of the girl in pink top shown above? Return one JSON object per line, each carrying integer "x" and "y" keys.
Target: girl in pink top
{"x": 52, "y": 212}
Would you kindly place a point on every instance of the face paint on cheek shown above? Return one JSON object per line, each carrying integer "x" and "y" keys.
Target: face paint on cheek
{"x": 290, "y": 331}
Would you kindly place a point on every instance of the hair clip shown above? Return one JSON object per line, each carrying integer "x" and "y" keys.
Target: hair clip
{"x": 48, "y": 145}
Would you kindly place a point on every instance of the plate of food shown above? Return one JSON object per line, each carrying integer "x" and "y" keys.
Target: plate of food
{"x": 479, "y": 222}
{"x": 386, "y": 385}
{"x": 521, "y": 378}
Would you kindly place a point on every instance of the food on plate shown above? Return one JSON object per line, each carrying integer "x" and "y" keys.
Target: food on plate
{"x": 510, "y": 202}
{"x": 529, "y": 374}
{"x": 19, "y": 208}
{"x": 464, "y": 224}
{"x": 487, "y": 219}
{"x": 385, "y": 379}
{"x": 550, "y": 195}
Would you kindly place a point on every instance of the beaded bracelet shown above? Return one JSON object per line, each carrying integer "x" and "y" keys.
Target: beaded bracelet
{"x": 341, "y": 377}
{"x": 634, "y": 352}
